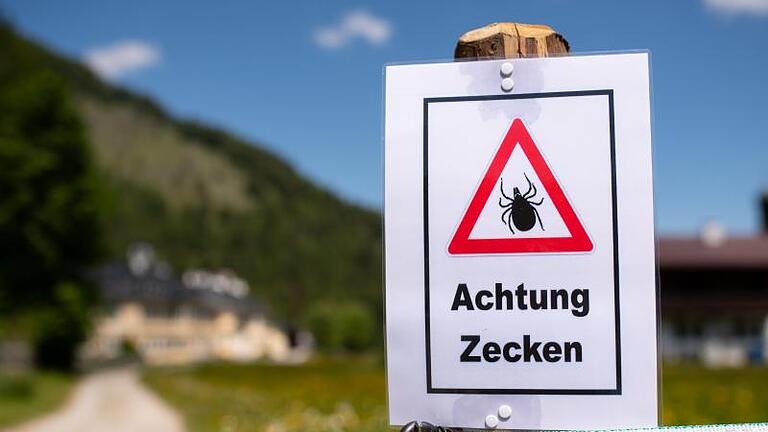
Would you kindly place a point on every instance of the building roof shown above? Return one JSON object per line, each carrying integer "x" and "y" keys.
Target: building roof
{"x": 729, "y": 252}
{"x": 163, "y": 292}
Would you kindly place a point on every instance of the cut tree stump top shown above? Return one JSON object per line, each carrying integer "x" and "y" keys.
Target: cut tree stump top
{"x": 511, "y": 40}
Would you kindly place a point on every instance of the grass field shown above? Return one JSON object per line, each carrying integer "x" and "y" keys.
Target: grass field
{"x": 28, "y": 395}
{"x": 325, "y": 395}
{"x": 348, "y": 395}
{"x": 694, "y": 395}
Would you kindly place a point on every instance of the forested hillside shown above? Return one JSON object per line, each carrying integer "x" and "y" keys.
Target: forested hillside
{"x": 206, "y": 198}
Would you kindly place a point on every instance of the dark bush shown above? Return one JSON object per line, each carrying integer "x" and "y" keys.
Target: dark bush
{"x": 341, "y": 326}
{"x": 61, "y": 328}
{"x": 128, "y": 349}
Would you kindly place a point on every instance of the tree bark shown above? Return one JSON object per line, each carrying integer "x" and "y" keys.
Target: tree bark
{"x": 510, "y": 40}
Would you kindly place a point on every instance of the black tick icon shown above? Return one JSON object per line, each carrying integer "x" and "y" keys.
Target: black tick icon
{"x": 520, "y": 210}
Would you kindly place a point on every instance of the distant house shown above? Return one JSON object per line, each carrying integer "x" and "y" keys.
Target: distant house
{"x": 714, "y": 298}
{"x": 165, "y": 320}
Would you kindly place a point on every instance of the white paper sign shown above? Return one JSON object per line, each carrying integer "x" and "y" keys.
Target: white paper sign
{"x": 519, "y": 244}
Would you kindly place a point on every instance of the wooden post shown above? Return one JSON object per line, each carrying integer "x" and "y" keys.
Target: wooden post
{"x": 510, "y": 40}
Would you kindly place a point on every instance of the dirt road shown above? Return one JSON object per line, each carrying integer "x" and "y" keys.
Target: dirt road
{"x": 114, "y": 401}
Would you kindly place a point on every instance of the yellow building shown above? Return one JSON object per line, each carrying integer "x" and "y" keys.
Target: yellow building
{"x": 170, "y": 321}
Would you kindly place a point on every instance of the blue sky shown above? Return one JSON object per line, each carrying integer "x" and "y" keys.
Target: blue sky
{"x": 304, "y": 78}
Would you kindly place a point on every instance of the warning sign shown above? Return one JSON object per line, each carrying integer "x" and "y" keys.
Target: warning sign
{"x": 519, "y": 244}
{"x": 520, "y": 212}
{"x": 520, "y": 256}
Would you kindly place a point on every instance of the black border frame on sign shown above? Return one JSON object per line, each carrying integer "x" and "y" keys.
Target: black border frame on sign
{"x": 613, "y": 391}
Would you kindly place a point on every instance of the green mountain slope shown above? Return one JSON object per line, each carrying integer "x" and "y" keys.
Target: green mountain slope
{"x": 205, "y": 198}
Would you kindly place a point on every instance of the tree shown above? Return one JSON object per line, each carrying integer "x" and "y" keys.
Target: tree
{"x": 341, "y": 326}
{"x": 50, "y": 214}
{"x": 50, "y": 208}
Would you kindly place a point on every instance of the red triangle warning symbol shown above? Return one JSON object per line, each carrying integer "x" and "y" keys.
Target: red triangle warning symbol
{"x": 576, "y": 241}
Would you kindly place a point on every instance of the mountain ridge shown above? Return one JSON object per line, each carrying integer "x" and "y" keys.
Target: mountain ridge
{"x": 207, "y": 198}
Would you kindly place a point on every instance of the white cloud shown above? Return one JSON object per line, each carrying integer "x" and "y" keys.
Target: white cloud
{"x": 738, "y": 7}
{"x": 354, "y": 25}
{"x": 115, "y": 60}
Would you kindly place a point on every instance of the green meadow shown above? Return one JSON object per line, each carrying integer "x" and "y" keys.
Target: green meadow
{"x": 26, "y": 395}
{"x": 324, "y": 395}
{"x": 348, "y": 394}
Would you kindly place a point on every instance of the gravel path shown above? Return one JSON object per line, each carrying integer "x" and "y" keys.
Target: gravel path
{"x": 114, "y": 401}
